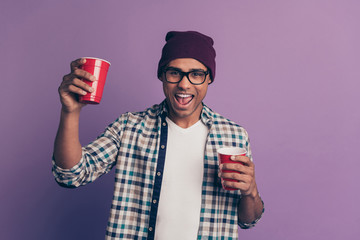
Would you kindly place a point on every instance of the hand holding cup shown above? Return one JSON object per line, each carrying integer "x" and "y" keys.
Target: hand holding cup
{"x": 237, "y": 171}
{"x": 98, "y": 68}
{"x": 84, "y": 84}
{"x": 72, "y": 86}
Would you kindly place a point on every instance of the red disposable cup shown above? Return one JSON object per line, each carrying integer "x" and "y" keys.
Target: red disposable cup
{"x": 224, "y": 157}
{"x": 99, "y": 68}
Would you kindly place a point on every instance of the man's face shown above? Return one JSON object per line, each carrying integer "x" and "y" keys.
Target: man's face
{"x": 185, "y": 99}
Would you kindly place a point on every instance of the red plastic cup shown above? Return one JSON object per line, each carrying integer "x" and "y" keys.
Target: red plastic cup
{"x": 224, "y": 157}
{"x": 99, "y": 68}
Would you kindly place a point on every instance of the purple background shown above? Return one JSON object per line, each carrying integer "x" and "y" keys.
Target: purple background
{"x": 288, "y": 71}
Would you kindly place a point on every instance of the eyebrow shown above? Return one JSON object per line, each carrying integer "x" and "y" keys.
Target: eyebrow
{"x": 180, "y": 70}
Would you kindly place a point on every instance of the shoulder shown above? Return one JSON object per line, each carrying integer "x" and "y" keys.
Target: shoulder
{"x": 217, "y": 118}
{"x": 223, "y": 124}
{"x": 152, "y": 112}
{"x": 147, "y": 116}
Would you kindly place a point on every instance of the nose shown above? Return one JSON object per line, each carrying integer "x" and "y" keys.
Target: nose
{"x": 184, "y": 83}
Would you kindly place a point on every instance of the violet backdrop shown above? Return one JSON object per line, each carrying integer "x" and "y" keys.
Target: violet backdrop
{"x": 288, "y": 71}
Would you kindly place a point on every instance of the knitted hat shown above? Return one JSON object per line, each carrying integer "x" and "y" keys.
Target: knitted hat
{"x": 188, "y": 44}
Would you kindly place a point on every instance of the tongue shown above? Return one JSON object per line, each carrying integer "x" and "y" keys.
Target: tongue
{"x": 184, "y": 100}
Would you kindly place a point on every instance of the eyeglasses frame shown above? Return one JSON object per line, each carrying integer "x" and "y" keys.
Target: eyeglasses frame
{"x": 182, "y": 74}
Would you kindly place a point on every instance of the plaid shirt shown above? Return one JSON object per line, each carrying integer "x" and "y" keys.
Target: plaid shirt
{"x": 136, "y": 144}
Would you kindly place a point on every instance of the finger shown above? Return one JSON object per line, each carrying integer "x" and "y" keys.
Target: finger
{"x": 84, "y": 74}
{"x": 236, "y": 176}
{"x": 243, "y": 159}
{"x": 243, "y": 187}
{"x": 69, "y": 80}
{"x": 68, "y": 77}
{"x": 76, "y": 90}
{"x": 238, "y": 168}
{"x": 81, "y": 84}
{"x": 77, "y": 63}
{"x": 78, "y": 74}
{"x": 74, "y": 86}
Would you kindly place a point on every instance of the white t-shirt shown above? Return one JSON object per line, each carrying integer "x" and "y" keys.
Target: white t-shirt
{"x": 180, "y": 198}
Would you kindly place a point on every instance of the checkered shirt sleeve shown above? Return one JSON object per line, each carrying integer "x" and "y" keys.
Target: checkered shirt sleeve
{"x": 97, "y": 159}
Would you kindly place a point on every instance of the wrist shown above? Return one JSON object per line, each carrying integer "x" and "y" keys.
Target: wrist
{"x": 67, "y": 112}
{"x": 69, "y": 119}
{"x": 253, "y": 194}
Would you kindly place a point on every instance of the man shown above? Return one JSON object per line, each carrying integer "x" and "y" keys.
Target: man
{"x": 168, "y": 180}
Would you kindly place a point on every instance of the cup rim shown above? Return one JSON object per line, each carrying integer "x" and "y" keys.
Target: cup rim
{"x": 98, "y": 59}
{"x": 231, "y": 151}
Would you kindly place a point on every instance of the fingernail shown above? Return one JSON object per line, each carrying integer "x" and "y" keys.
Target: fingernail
{"x": 232, "y": 157}
{"x": 92, "y": 78}
{"x": 91, "y": 89}
{"x": 83, "y": 93}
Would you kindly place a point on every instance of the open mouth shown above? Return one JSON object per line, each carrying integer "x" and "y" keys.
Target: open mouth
{"x": 184, "y": 99}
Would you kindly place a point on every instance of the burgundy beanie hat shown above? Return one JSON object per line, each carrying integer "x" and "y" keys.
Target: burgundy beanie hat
{"x": 188, "y": 44}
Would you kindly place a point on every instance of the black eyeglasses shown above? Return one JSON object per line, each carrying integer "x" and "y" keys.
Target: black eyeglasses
{"x": 175, "y": 75}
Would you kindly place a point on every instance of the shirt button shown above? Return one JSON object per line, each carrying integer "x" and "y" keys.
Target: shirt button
{"x": 154, "y": 201}
{"x": 162, "y": 146}
{"x": 164, "y": 124}
{"x": 158, "y": 173}
{"x": 150, "y": 229}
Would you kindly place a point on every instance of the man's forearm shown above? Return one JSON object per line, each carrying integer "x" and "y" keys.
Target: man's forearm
{"x": 67, "y": 147}
{"x": 250, "y": 208}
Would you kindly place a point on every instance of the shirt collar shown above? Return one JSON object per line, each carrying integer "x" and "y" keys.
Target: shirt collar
{"x": 206, "y": 116}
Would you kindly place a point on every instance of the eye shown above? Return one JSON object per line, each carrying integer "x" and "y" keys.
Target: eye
{"x": 197, "y": 74}
{"x": 173, "y": 72}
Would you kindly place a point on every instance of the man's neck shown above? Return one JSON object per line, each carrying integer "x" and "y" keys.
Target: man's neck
{"x": 184, "y": 123}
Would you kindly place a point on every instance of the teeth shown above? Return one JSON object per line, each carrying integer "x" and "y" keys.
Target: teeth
{"x": 183, "y": 95}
